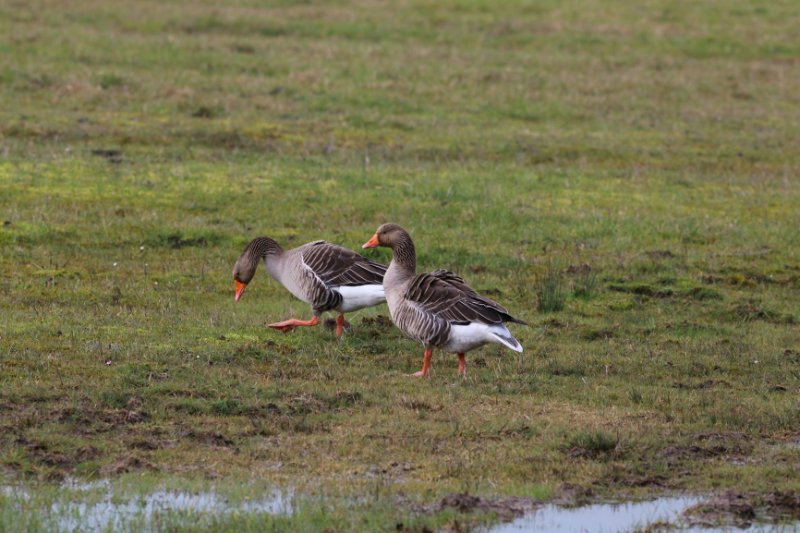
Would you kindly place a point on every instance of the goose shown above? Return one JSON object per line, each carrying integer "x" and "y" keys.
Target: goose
{"x": 327, "y": 276}
{"x": 438, "y": 309}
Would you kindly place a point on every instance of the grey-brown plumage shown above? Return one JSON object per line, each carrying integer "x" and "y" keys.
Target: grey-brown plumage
{"x": 324, "y": 275}
{"x": 438, "y": 309}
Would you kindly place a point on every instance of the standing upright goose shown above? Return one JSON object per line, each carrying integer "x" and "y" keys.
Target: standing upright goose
{"x": 438, "y": 309}
{"x": 324, "y": 275}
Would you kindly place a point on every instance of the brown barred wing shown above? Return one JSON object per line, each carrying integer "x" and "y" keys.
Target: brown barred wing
{"x": 317, "y": 293}
{"x": 447, "y": 295}
{"x": 421, "y": 325}
{"x": 336, "y": 266}
{"x": 458, "y": 282}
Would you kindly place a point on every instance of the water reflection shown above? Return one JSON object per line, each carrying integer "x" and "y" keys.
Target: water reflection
{"x": 597, "y": 518}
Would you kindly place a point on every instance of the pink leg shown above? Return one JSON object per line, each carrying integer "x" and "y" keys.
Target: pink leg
{"x": 426, "y": 364}
{"x": 339, "y": 325}
{"x": 289, "y": 325}
{"x": 462, "y": 365}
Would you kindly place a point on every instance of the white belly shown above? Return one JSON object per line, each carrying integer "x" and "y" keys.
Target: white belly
{"x": 465, "y": 338}
{"x": 359, "y": 297}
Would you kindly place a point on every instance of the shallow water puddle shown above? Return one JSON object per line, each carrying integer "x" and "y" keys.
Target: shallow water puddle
{"x": 628, "y": 516}
{"x": 112, "y": 513}
{"x": 621, "y": 517}
{"x": 74, "y": 511}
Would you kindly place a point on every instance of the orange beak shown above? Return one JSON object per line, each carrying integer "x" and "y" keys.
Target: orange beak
{"x": 240, "y": 287}
{"x": 372, "y": 243}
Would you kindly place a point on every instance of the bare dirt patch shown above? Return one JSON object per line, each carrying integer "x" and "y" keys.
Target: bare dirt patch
{"x": 506, "y": 508}
{"x": 729, "y": 508}
{"x": 417, "y": 405}
{"x": 41, "y": 453}
{"x": 620, "y": 476}
{"x": 742, "y": 509}
{"x": 642, "y": 289}
{"x": 574, "y": 495}
{"x": 583, "y": 268}
{"x": 782, "y": 505}
{"x": 660, "y": 254}
{"x": 128, "y": 464}
{"x": 210, "y": 438}
{"x": 705, "y": 384}
{"x": 694, "y": 451}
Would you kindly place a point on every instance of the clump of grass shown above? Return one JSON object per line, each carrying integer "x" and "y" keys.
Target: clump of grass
{"x": 635, "y": 396}
{"x": 592, "y": 444}
{"x": 116, "y": 400}
{"x": 594, "y": 334}
{"x": 227, "y": 407}
{"x": 751, "y": 309}
{"x": 586, "y": 284}
{"x": 176, "y": 239}
{"x": 550, "y": 288}
{"x": 642, "y": 289}
{"x": 704, "y": 293}
{"x": 205, "y": 112}
{"x": 599, "y": 441}
{"x": 109, "y": 81}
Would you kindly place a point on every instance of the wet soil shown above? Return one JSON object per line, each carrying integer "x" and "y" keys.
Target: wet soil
{"x": 505, "y": 508}
{"x": 742, "y": 509}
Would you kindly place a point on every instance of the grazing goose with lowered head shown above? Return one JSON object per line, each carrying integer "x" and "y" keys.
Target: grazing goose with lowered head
{"x": 438, "y": 309}
{"x": 328, "y": 277}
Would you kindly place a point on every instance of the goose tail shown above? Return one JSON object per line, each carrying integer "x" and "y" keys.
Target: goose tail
{"x": 504, "y": 337}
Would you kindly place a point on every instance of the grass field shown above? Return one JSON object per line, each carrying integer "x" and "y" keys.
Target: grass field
{"x": 622, "y": 176}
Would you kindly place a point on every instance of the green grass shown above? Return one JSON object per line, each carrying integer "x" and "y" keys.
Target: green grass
{"x": 550, "y": 290}
{"x": 142, "y": 148}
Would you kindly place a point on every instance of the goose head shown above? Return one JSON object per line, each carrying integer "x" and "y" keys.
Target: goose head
{"x": 387, "y": 235}
{"x": 245, "y": 267}
{"x": 243, "y": 272}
